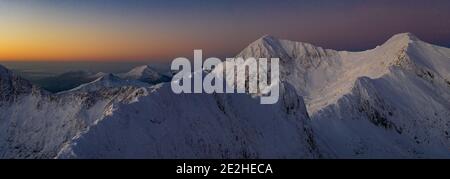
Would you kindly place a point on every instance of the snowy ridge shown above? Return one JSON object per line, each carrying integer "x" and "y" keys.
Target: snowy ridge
{"x": 199, "y": 126}
{"x": 271, "y": 47}
{"x": 106, "y": 81}
{"x": 36, "y": 124}
{"x": 392, "y": 101}
{"x": 323, "y": 76}
{"x": 146, "y": 74}
{"x": 61, "y": 125}
{"x": 371, "y": 103}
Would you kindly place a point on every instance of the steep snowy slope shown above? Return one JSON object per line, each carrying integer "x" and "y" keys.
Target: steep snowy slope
{"x": 391, "y": 101}
{"x": 152, "y": 122}
{"x": 146, "y": 74}
{"x": 36, "y": 124}
{"x": 166, "y": 125}
{"x": 323, "y": 75}
{"x": 410, "y": 101}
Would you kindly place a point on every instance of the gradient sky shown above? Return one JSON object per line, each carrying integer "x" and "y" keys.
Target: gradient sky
{"x": 163, "y": 29}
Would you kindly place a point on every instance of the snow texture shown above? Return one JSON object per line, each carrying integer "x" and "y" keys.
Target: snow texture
{"x": 392, "y": 101}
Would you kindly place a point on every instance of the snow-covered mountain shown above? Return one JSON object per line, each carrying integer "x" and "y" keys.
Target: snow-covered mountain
{"x": 73, "y": 80}
{"x": 162, "y": 124}
{"x": 36, "y": 124}
{"x": 146, "y": 74}
{"x": 150, "y": 122}
{"x": 106, "y": 80}
{"x": 392, "y": 101}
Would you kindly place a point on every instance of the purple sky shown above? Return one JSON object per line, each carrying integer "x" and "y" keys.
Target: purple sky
{"x": 162, "y": 30}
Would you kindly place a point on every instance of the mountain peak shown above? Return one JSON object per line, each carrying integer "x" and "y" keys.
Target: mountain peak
{"x": 407, "y": 35}
{"x": 400, "y": 42}
{"x": 271, "y": 47}
{"x": 267, "y": 41}
{"x": 145, "y": 73}
{"x": 404, "y": 38}
{"x": 268, "y": 37}
{"x": 141, "y": 70}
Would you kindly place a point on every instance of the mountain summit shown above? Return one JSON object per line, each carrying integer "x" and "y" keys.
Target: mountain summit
{"x": 271, "y": 47}
{"x": 146, "y": 74}
{"x": 354, "y": 96}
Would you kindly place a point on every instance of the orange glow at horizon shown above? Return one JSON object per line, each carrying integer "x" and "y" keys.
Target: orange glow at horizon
{"x": 41, "y": 41}
{"x": 33, "y": 35}
{"x": 161, "y": 31}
